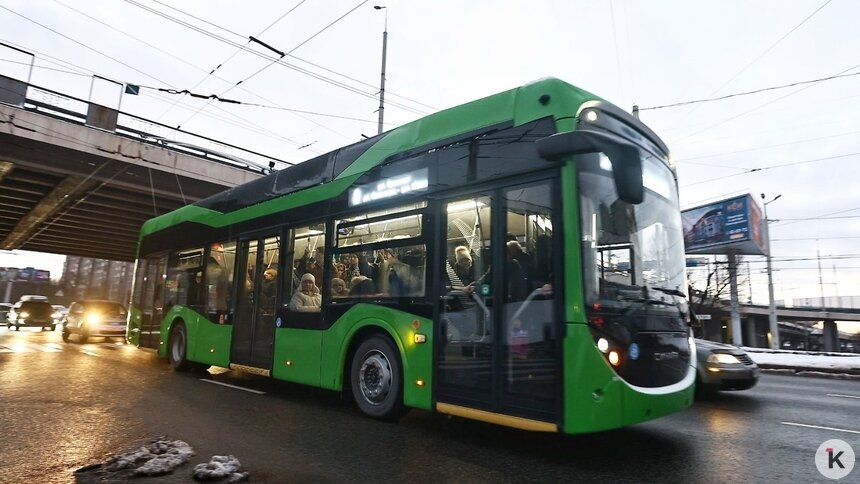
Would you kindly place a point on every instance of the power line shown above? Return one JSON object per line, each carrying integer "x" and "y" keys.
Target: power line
{"x": 758, "y": 107}
{"x": 277, "y": 135}
{"x": 771, "y": 167}
{"x": 282, "y": 54}
{"x": 758, "y": 58}
{"x": 279, "y": 62}
{"x": 822, "y": 215}
{"x": 248, "y": 124}
{"x": 816, "y": 238}
{"x": 84, "y": 45}
{"x": 687, "y": 160}
{"x": 746, "y": 93}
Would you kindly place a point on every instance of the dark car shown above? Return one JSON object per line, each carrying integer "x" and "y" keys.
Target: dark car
{"x": 32, "y": 313}
{"x": 94, "y": 318}
{"x": 723, "y": 367}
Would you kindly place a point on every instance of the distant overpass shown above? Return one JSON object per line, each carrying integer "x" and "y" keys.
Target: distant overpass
{"x": 80, "y": 179}
{"x": 755, "y": 325}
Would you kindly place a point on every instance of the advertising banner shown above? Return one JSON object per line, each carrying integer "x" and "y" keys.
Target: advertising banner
{"x": 732, "y": 225}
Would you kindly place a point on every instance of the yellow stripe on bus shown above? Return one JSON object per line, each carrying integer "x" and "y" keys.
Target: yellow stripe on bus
{"x": 496, "y": 418}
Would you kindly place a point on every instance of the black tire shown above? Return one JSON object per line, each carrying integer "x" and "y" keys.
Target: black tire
{"x": 12, "y": 327}
{"x": 376, "y": 378}
{"x": 177, "y": 348}
{"x": 83, "y": 336}
{"x": 66, "y": 335}
{"x": 53, "y": 327}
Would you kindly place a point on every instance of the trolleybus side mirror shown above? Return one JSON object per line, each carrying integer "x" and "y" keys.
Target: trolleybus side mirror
{"x": 626, "y": 163}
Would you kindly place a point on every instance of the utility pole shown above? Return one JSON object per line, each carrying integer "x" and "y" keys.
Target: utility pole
{"x": 820, "y": 277}
{"x": 774, "y": 324}
{"x": 382, "y": 76}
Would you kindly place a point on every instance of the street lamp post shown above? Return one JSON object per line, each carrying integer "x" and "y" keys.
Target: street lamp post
{"x": 382, "y": 75}
{"x": 774, "y": 324}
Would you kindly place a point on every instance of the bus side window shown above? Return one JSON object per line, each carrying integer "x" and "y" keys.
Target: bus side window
{"x": 305, "y": 294}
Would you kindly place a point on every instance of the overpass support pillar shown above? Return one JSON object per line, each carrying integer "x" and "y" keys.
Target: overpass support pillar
{"x": 830, "y": 336}
{"x": 750, "y": 326}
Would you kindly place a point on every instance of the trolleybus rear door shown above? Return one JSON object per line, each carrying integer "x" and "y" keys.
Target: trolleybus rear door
{"x": 256, "y": 297}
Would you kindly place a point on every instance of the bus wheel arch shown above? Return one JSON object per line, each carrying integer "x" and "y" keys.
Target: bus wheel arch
{"x": 373, "y": 373}
{"x": 177, "y": 346}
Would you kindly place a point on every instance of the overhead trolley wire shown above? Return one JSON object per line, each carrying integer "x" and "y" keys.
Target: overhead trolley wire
{"x": 756, "y": 91}
{"x": 282, "y": 54}
{"x": 259, "y": 128}
{"x": 772, "y": 46}
{"x": 279, "y": 62}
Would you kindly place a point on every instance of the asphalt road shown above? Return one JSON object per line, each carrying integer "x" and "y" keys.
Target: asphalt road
{"x": 65, "y": 405}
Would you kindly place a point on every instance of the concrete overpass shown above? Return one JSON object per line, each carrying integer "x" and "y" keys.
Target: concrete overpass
{"x": 755, "y": 325}
{"x": 79, "y": 179}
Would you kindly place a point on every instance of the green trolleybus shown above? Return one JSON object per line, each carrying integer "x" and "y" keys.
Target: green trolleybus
{"x": 517, "y": 260}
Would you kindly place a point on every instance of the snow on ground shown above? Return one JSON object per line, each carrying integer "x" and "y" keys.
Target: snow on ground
{"x": 158, "y": 458}
{"x": 221, "y": 467}
{"x": 798, "y": 359}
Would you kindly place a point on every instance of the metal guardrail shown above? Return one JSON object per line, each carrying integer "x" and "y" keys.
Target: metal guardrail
{"x": 74, "y": 110}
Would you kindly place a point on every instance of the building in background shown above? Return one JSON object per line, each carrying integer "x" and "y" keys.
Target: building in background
{"x": 88, "y": 278}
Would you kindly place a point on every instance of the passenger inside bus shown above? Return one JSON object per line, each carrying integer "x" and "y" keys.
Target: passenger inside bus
{"x": 338, "y": 288}
{"x": 307, "y": 297}
{"x": 362, "y": 286}
{"x": 269, "y": 290}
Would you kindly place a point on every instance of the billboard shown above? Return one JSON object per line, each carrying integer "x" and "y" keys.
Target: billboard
{"x": 732, "y": 225}
{"x": 27, "y": 274}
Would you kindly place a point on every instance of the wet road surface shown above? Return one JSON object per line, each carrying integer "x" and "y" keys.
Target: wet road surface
{"x": 67, "y": 405}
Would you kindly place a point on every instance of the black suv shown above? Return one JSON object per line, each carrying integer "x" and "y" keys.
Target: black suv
{"x": 32, "y": 313}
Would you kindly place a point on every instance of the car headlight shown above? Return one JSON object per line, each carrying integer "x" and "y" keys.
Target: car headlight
{"x": 94, "y": 318}
{"x": 24, "y": 315}
{"x": 722, "y": 358}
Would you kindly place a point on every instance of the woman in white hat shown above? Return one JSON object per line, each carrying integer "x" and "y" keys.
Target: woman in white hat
{"x": 307, "y": 297}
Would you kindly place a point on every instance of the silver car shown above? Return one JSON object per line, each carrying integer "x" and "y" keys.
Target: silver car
{"x": 94, "y": 318}
{"x": 723, "y": 367}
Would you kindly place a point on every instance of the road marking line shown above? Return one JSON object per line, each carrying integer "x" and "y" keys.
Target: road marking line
{"x": 88, "y": 352}
{"x": 258, "y": 392}
{"x": 822, "y": 428}
{"x": 843, "y": 396}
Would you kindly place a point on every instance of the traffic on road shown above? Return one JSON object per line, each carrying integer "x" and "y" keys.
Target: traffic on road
{"x": 66, "y": 406}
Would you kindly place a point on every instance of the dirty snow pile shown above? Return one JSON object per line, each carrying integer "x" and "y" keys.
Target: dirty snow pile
{"x": 221, "y": 467}
{"x": 158, "y": 458}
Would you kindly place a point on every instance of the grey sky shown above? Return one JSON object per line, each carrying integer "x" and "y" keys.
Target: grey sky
{"x": 800, "y": 142}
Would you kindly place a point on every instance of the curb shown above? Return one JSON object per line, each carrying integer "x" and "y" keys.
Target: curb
{"x": 853, "y": 374}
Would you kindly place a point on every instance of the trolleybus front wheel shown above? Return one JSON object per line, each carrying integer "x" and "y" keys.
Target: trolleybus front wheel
{"x": 376, "y": 377}
{"x": 177, "y": 352}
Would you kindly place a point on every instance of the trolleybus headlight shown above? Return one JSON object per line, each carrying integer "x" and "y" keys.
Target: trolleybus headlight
{"x": 603, "y": 345}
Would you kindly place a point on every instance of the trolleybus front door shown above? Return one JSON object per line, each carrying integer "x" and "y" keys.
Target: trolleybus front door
{"x": 497, "y": 345}
{"x": 256, "y": 297}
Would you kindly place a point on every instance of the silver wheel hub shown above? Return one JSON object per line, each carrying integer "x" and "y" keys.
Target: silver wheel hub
{"x": 374, "y": 377}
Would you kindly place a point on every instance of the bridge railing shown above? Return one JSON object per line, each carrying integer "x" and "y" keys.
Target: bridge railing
{"x": 74, "y": 110}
